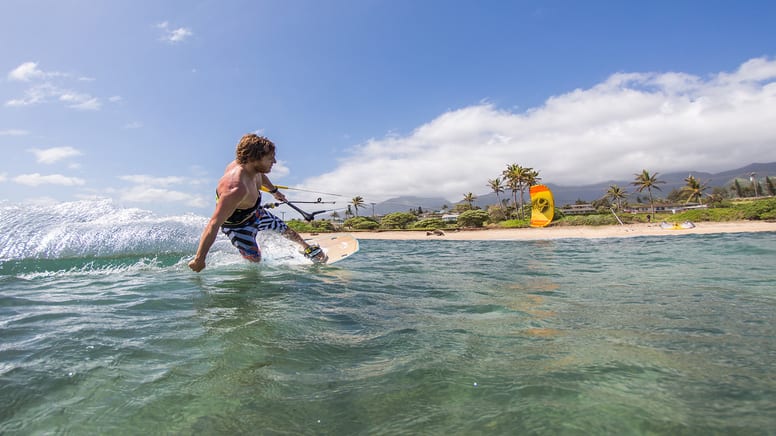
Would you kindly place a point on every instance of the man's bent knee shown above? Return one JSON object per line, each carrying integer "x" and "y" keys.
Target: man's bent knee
{"x": 252, "y": 257}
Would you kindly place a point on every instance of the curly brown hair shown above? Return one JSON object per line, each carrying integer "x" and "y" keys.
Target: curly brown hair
{"x": 253, "y": 147}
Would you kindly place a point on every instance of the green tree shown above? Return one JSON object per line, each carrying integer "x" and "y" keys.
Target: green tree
{"x": 361, "y": 223}
{"x": 616, "y": 194}
{"x": 769, "y": 184}
{"x": 694, "y": 189}
{"x": 430, "y": 223}
{"x": 718, "y": 194}
{"x": 357, "y": 202}
{"x": 496, "y": 213}
{"x": 473, "y": 218}
{"x": 645, "y": 180}
{"x": 397, "y": 220}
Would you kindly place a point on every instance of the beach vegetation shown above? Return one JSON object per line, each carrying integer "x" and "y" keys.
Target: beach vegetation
{"x": 717, "y": 196}
{"x": 602, "y": 205}
{"x": 514, "y": 224}
{"x": 429, "y": 224}
{"x": 770, "y": 185}
{"x": 397, "y": 220}
{"x": 764, "y": 209}
{"x": 361, "y": 223}
{"x": 473, "y": 218}
{"x": 722, "y": 214}
{"x": 462, "y": 207}
{"x": 496, "y": 213}
{"x": 587, "y": 220}
{"x": 737, "y": 189}
{"x": 315, "y": 226}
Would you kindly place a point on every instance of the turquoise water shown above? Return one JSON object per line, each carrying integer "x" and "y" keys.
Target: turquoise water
{"x": 105, "y": 330}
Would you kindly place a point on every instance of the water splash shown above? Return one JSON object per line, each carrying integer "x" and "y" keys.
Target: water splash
{"x": 99, "y": 229}
{"x": 92, "y": 228}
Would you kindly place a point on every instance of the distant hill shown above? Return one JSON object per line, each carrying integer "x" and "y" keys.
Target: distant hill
{"x": 405, "y": 204}
{"x": 570, "y": 194}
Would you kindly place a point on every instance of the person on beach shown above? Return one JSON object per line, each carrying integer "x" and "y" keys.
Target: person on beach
{"x": 238, "y": 211}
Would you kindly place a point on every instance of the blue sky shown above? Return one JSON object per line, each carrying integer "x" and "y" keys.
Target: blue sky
{"x": 143, "y": 102}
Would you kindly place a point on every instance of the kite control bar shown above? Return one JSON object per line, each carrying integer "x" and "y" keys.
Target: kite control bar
{"x": 308, "y": 216}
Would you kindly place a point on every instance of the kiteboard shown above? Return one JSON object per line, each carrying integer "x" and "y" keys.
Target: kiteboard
{"x": 542, "y": 206}
{"x": 336, "y": 246}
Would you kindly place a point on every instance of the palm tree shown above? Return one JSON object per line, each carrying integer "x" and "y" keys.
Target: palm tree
{"x": 647, "y": 181}
{"x": 532, "y": 177}
{"x": 616, "y": 194}
{"x": 769, "y": 184}
{"x": 496, "y": 186}
{"x": 694, "y": 189}
{"x": 512, "y": 175}
{"x": 469, "y": 198}
{"x": 519, "y": 178}
{"x": 357, "y": 202}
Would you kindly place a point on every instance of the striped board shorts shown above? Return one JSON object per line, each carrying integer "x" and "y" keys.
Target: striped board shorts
{"x": 243, "y": 235}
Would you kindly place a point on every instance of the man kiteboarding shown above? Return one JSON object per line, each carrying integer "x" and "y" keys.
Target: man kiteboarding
{"x": 238, "y": 213}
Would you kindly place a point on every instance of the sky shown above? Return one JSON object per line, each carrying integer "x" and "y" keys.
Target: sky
{"x": 143, "y": 102}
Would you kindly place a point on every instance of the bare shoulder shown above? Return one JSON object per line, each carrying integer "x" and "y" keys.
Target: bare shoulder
{"x": 232, "y": 182}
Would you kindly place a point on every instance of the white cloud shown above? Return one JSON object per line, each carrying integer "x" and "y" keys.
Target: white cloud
{"x": 174, "y": 36}
{"x": 133, "y": 125}
{"x": 36, "y": 179}
{"x": 46, "y": 91}
{"x": 143, "y": 179}
{"x": 26, "y": 72}
{"x": 3, "y": 177}
{"x": 662, "y": 122}
{"x": 80, "y": 101}
{"x": 34, "y": 95}
{"x": 148, "y": 194}
{"x": 14, "y": 132}
{"x": 153, "y": 189}
{"x": 279, "y": 170}
{"x": 29, "y": 71}
{"x": 54, "y": 154}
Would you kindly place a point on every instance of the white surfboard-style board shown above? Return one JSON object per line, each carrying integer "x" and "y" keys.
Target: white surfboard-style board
{"x": 336, "y": 246}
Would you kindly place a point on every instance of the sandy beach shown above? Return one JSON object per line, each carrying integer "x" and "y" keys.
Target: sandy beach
{"x": 565, "y": 232}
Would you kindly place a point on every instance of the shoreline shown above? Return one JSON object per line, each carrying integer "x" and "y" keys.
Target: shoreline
{"x": 567, "y": 232}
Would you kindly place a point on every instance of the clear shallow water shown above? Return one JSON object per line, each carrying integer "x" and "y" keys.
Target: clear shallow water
{"x": 105, "y": 330}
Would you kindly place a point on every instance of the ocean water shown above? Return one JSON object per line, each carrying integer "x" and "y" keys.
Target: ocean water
{"x": 104, "y": 330}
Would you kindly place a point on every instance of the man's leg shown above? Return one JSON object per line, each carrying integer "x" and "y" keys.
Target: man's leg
{"x": 244, "y": 239}
{"x": 268, "y": 221}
